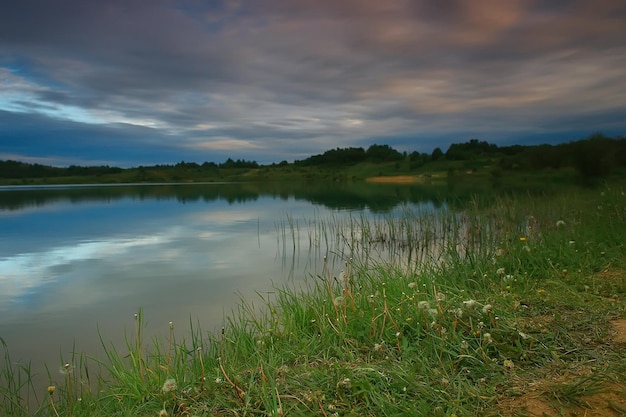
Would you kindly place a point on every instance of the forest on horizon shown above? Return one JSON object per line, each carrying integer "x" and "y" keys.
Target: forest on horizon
{"x": 593, "y": 157}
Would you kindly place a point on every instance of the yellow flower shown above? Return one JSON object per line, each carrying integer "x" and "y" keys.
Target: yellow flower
{"x": 522, "y": 239}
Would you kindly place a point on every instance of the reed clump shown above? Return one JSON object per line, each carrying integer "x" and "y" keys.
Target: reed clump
{"x": 446, "y": 314}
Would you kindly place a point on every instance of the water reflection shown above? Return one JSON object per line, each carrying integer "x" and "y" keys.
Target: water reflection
{"x": 78, "y": 260}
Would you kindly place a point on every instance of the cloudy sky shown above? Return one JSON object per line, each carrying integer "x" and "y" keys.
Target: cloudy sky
{"x": 138, "y": 82}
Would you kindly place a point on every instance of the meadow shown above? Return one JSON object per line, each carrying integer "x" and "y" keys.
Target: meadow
{"x": 514, "y": 305}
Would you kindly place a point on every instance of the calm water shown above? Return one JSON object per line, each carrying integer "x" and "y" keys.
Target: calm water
{"x": 78, "y": 260}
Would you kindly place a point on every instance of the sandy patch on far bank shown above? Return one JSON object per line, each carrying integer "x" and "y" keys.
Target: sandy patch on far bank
{"x": 396, "y": 179}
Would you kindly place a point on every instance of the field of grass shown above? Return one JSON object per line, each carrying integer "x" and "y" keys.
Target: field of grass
{"x": 507, "y": 307}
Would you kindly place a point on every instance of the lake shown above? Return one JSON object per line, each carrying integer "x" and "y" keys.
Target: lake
{"x": 77, "y": 262}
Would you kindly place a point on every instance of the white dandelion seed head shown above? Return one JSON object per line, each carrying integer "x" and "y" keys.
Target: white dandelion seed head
{"x": 487, "y": 308}
{"x": 487, "y": 338}
{"x": 500, "y": 271}
{"x": 412, "y": 285}
{"x": 433, "y": 312}
{"x": 66, "y": 369}
{"x": 338, "y": 301}
{"x": 423, "y": 305}
{"x": 169, "y": 385}
{"x": 464, "y": 344}
{"x": 469, "y": 304}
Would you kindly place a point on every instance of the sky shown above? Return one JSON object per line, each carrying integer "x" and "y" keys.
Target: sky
{"x": 141, "y": 82}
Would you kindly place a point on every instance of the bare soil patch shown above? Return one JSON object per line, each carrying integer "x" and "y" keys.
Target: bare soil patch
{"x": 397, "y": 179}
{"x": 597, "y": 396}
{"x": 619, "y": 330}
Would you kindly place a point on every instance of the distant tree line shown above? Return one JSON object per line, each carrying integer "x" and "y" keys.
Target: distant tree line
{"x": 352, "y": 156}
{"x": 16, "y": 169}
{"x": 593, "y": 157}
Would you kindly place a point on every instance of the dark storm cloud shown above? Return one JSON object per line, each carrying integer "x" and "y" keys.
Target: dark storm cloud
{"x": 283, "y": 79}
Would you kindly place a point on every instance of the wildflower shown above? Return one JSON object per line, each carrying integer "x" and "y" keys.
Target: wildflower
{"x": 500, "y": 271}
{"x": 508, "y": 364}
{"x": 66, "y": 369}
{"x": 540, "y": 292}
{"x": 423, "y": 305}
{"x": 522, "y": 239}
{"x": 469, "y": 304}
{"x": 445, "y": 382}
{"x": 412, "y": 285}
{"x": 171, "y": 324}
{"x": 338, "y": 301}
{"x": 560, "y": 223}
{"x": 464, "y": 345}
{"x": 441, "y": 297}
{"x": 571, "y": 242}
{"x": 169, "y": 385}
{"x": 398, "y": 334}
{"x": 345, "y": 383}
{"x": 487, "y": 338}
{"x": 218, "y": 380}
{"x": 51, "y": 389}
{"x": 457, "y": 312}
{"x": 409, "y": 319}
{"x": 487, "y": 308}
{"x": 433, "y": 312}
{"x": 378, "y": 347}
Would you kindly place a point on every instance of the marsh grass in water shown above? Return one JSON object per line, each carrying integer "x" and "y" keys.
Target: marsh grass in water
{"x": 446, "y": 314}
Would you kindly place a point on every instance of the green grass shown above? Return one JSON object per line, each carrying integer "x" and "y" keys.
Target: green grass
{"x": 499, "y": 296}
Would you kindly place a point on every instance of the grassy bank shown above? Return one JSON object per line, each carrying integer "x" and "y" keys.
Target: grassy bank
{"x": 508, "y": 307}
